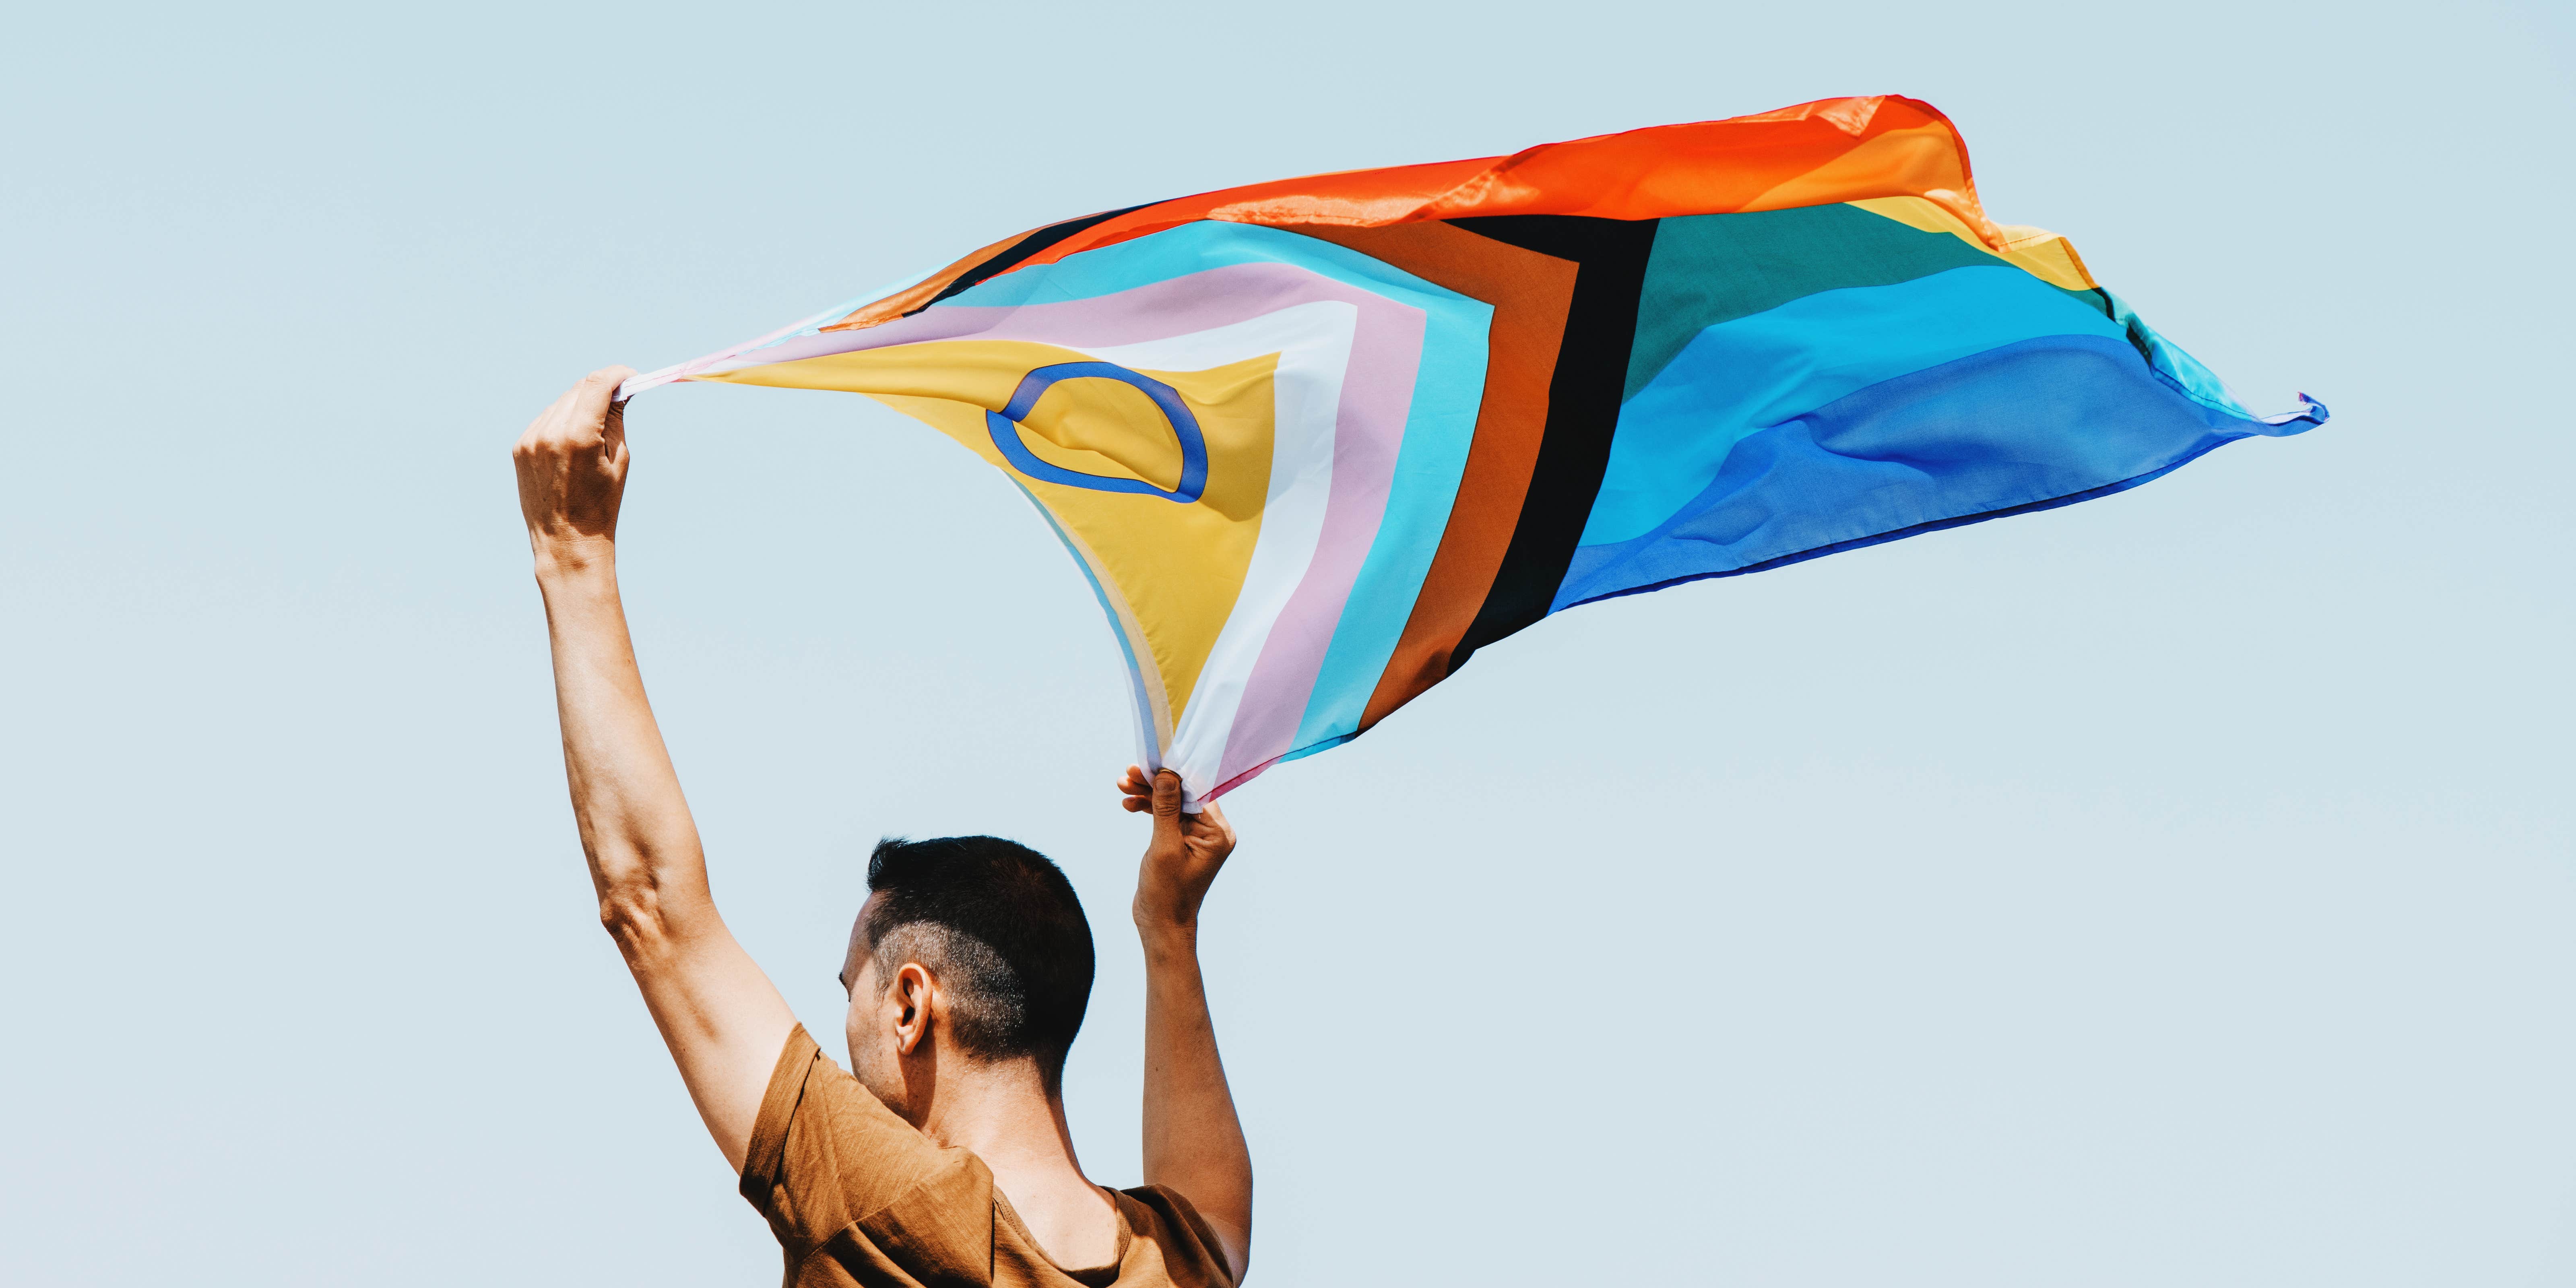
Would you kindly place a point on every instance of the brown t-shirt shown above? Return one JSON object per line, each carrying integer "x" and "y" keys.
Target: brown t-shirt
{"x": 857, "y": 1196}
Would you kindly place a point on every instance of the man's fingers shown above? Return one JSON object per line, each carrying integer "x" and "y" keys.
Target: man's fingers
{"x": 1137, "y": 791}
{"x": 542, "y": 430}
{"x": 581, "y": 414}
{"x": 1167, "y": 806}
{"x": 587, "y": 412}
{"x": 1220, "y": 832}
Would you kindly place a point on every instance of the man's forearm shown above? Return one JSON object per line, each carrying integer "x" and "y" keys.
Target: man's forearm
{"x": 635, "y": 824}
{"x": 1193, "y": 1140}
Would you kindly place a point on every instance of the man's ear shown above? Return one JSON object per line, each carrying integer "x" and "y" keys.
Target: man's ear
{"x": 912, "y": 993}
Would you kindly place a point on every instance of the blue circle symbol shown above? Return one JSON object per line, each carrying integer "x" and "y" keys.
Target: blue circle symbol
{"x": 1005, "y": 428}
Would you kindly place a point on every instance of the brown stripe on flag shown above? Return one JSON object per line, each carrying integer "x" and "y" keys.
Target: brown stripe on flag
{"x": 1530, "y": 294}
{"x": 914, "y": 298}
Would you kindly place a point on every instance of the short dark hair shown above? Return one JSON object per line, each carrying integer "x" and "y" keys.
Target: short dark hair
{"x": 1000, "y": 927}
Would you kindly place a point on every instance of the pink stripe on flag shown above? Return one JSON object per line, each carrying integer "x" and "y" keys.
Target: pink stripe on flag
{"x": 1377, "y": 395}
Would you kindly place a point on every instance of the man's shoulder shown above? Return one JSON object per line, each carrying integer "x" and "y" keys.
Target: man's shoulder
{"x": 828, "y": 1161}
{"x": 838, "y": 1129}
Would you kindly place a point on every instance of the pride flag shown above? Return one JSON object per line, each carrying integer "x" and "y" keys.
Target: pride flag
{"x": 1317, "y": 441}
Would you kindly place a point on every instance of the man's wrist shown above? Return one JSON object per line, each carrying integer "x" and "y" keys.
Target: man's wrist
{"x": 1168, "y": 940}
{"x": 568, "y": 558}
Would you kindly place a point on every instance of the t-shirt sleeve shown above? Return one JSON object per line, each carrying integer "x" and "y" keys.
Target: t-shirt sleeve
{"x": 1190, "y": 1254}
{"x": 827, "y": 1154}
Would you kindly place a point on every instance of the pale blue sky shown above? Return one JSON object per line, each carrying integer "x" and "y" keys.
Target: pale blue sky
{"x": 2173, "y": 889}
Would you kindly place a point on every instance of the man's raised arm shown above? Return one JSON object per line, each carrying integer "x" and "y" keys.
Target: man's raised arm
{"x": 1193, "y": 1141}
{"x": 724, "y": 1021}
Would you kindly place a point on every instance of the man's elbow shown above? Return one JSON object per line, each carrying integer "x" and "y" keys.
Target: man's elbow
{"x": 632, "y": 913}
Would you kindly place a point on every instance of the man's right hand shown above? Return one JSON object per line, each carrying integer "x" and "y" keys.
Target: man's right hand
{"x": 572, "y": 469}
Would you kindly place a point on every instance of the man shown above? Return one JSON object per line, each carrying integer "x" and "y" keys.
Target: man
{"x": 946, "y": 1159}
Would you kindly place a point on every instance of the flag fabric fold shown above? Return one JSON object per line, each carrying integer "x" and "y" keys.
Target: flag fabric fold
{"x": 1315, "y": 442}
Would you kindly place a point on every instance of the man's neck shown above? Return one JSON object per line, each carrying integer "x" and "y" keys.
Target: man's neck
{"x": 1002, "y": 1112}
{"x": 1006, "y": 1115}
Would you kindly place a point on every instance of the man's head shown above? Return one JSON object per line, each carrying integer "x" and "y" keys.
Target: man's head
{"x": 971, "y": 945}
